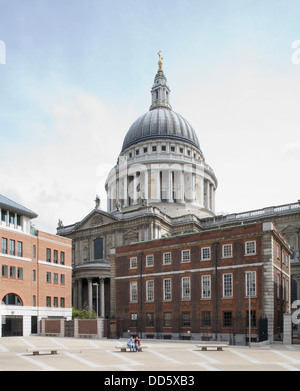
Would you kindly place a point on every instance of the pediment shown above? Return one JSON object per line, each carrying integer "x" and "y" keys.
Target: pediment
{"x": 130, "y": 236}
{"x": 95, "y": 219}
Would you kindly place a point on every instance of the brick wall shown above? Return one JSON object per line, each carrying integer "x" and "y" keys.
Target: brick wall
{"x": 30, "y": 268}
{"x": 228, "y": 312}
{"x": 52, "y": 326}
{"x": 87, "y": 326}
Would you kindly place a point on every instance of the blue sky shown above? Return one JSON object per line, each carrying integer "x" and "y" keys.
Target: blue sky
{"x": 78, "y": 73}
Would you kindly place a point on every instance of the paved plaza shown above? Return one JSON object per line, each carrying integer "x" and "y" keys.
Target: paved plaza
{"x": 102, "y": 355}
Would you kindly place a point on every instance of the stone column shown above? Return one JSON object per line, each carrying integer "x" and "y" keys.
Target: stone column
{"x": 62, "y": 328}
{"x": 268, "y": 293}
{"x": 207, "y": 194}
{"x": 170, "y": 187}
{"x": 43, "y": 327}
{"x": 134, "y": 182}
{"x": 75, "y": 294}
{"x": 90, "y": 295}
{"x": 201, "y": 184}
{"x": 102, "y": 298}
{"x": 182, "y": 188}
{"x": 188, "y": 186}
{"x": 79, "y": 294}
{"x": 144, "y": 185}
{"x": 76, "y": 333}
{"x": 287, "y": 329}
{"x": 158, "y": 189}
{"x": 112, "y": 283}
{"x": 213, "y": 199}
{"x": 100, "y": 328}
{"x": 151, "y": 234}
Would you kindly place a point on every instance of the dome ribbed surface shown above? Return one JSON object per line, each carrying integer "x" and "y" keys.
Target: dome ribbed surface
{"x": 160, "y": 124}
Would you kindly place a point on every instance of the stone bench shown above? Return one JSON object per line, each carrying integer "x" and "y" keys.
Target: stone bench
{"x": 37, "y": 351}
{"x": 216, "y": 345}
{"x": 125, "y": 347}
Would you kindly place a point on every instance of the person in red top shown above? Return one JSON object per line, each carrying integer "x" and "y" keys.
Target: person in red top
{"x": 137, "y": 344}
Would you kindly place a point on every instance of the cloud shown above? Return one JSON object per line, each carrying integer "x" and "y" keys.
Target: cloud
{"x": 246, "y": 124}
{"x": 291, "y": 151}
{"x": 60, "y": 175}
{"x": 248, "y": 128}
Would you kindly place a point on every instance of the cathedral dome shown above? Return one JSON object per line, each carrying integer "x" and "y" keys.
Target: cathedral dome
{"x": 161, "y": 164}
{"x": 160, "y": 123}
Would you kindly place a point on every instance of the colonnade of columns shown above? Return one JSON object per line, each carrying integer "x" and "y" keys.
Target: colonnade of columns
{"x": 94, "y": 290}
{"x": 161, "y": 185}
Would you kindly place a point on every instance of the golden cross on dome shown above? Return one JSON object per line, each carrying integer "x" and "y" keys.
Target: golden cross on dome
{"x": 160, "y": 61}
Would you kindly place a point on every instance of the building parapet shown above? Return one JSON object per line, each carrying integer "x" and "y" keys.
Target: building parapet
{"x": 253, "y": 214}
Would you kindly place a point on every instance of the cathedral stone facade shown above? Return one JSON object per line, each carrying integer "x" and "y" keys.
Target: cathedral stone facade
{"x": 161, "y": 186}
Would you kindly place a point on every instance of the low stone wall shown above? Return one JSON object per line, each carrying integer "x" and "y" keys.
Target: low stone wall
{"x": 88, "y": 328}
{"x": 52, "y": 327}
{"x": 83, "y": 328}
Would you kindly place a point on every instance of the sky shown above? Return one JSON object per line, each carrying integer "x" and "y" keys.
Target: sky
{"x": 74, "y": 76}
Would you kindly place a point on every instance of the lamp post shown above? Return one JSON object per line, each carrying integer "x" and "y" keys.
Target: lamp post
{"x": 249, "y": 327}
{"x": 96, "y": 285}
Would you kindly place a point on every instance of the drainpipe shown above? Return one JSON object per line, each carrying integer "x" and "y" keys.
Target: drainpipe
{"x": 281, "y": 291}
{"x": 37, "y": 276}
{"x": 216, "y": 248}
{"x": 140, "y": 333}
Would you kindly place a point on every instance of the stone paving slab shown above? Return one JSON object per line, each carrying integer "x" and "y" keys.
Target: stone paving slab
{"x": 160, "y": 356}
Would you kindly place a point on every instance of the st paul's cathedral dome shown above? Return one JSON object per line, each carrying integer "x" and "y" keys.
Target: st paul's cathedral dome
{"x": 160, "y": 123}
{"x": 161, "y": 163}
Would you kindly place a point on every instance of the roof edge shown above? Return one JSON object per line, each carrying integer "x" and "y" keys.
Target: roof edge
{"x": 13, "y": 206}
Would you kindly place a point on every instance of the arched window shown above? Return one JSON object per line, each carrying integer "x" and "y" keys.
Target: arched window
{"x": 12, "y": 299}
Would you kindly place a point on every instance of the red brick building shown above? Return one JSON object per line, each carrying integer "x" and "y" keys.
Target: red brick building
{"x": 200, "y": 285}
{"x": 35, "y": 272}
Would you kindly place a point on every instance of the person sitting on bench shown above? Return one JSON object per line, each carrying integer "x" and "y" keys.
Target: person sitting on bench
{"x": 130, "y": 343}
{"x": 137, "y": 343}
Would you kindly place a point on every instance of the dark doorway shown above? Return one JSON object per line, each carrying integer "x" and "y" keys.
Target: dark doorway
{"x": 13, "y": 326}
{"x": 34, "y": 324}
{"x": 263, "y": 329}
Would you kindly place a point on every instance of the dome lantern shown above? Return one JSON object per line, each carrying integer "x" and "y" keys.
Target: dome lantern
{"x": 160, "y": 91}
